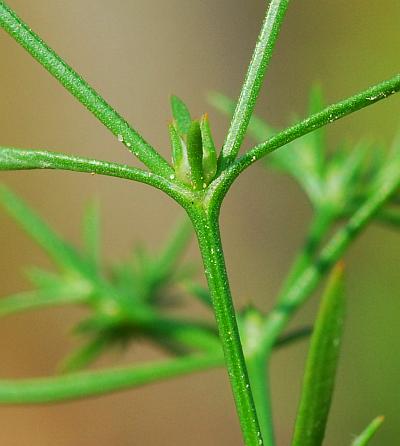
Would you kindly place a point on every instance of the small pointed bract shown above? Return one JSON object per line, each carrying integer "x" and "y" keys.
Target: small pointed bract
{"x": 195, "y": 155}
{"x": 209, "y": 151}
{"x": 369, "y": 432}
{"x": 179, "y": 156}
{"x": 181, "y": 114}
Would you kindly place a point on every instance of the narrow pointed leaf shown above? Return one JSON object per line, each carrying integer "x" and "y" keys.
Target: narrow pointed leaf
{"x": 389, "y": 217}
{"x": 209, "y": 150}
{"x": 258, "y": 129}
{"x": 364, "y": 438}
{"x": 43, "y": 279}
{"x": 201, "y": 293}
{"x": 91, "y": 233}
{"x": 181, "y": 114}
{"x": 195, "y": 155}
{"x": 175, "y": 247}
{"x": 61, "y": 252}
{"x": 321, "y": 365}
{"x": 179, "y": 155}
{"x": 84, "y": 356}
{"x": 34, "y": 300}
{"x": 294, "y": 336}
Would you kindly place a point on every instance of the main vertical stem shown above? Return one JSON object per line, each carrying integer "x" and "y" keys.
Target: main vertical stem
{"x": 208, "y": 234}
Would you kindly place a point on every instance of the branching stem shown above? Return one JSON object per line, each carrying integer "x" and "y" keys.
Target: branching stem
{"x": 82, "y": 91}
{"x": 330, "y": 114}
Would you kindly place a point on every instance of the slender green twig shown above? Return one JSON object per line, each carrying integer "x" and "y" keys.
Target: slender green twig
{"x": 79, "y": 88}
{"x": 20, "y": 159}
{"x": 84, "y": 384}
{"x": 254, "y": 80}
{"x": 94, "y": 383}
{"x": 330, "y": 114}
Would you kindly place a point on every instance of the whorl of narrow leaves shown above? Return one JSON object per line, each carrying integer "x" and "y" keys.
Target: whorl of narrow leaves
{"x": 194, "y": 156}
{"x": 321, "y": 365}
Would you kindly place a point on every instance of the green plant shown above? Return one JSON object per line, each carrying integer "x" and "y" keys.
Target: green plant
{"x": 129, "y": 302}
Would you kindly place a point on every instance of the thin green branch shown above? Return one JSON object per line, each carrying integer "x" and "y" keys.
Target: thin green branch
{"x": 85, "y": 384}
{"x": 79, "y": 88}
{"x": 254, "y": 80}
{"x": 95, "y": 383}
{"x": 22, "y": 159}
{"x": 219, "y": 187}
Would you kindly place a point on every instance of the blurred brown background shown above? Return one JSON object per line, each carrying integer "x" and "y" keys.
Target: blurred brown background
{"x": 136, "y": 53}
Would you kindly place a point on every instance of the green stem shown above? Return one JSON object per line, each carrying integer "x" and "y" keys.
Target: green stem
{"x": 82, "y": 91}
{"x": 257, "y": 367}
{"x": 254, "y": 80}
{"x": 207, "y": 230}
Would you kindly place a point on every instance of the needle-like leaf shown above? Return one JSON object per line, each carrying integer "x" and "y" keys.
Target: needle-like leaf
{"x": 61, "y": 252}
{"x": 91, "y": 233}
{"x": 321, "y": 365}
{"x": 84, "y": 356}
{"x": 33, "y": 300}
{"x": 181, "y": 114}
{"x": 369, "y": 432}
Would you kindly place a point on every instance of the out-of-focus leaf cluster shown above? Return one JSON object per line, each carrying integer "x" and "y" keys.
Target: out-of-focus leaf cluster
{"x": 131, "y": 300}
{"x": 335, "y": 183}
